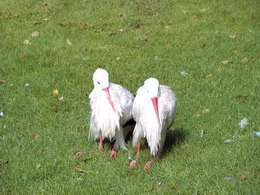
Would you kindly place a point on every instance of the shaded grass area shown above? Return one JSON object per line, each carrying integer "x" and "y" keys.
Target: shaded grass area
{"x": 133, "y": 40}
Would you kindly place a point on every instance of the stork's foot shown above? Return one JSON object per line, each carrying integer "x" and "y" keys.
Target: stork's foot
{"x": 147, "y": 165}
{"x": 113, "y": 154}
{"x": 132, "y": 164}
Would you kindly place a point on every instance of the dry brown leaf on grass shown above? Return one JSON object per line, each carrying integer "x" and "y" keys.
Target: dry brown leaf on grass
{"x": 197, "y": 16}
{"x": 84, "y": 49}
{"x": 205, "y": 110}
{"x": 78, "y": 154}
{"x": 21, "y": 56}
{"x": 35, "y": 136}
{"x": 225, "y": 61}
{"x": 27, "y": 42}
{"x": 55, "y": 92}
{"x": 240, "y": 97}
{"x": 244, "y": 60}
{"x": 219, "y": 68}
{"x": 167, "y": 27}
{"x": 198, "y": 114}
{"x": 204, "y": 45}
{"x": 143, "y": 40}
{"x": 101, "y": 65}
{"x": 232, "y": 36}
{"x": 2, "y": 81}
{"x": 207, "y": 76}
{"x": 243, "y": 178}
{"x": 2, "y": 163}
{"x": 113, "y": 188}
{"x": 3, "y": 11}
{"x": 121, "y": 15}
{"x": 174, "y": 189}
{"x": 55, "y": 106}
{"x": 133, "y": 76}
{"x": 68, "y": 42}
{"x": 168, "y": 46}
{"x": 81, "y": 170}
{"x": 187, "y": 85}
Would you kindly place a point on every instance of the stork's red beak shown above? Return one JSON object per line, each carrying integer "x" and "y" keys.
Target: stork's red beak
{"x": 155, "y": 106}
{"x": 109, "y": 98}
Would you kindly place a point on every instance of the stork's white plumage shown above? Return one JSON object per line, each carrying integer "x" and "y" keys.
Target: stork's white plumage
{"x": 153, "y": 110}
{"x": 111, "y": 109}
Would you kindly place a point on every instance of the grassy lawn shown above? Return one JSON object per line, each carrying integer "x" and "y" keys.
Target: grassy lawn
{"x": 208, "y": 52}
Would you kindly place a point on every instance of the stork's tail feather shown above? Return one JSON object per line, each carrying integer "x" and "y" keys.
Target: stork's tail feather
{"x": 120, "y": 141}
{"x": 93, "y": 134}
{"x": 153, "y": 136}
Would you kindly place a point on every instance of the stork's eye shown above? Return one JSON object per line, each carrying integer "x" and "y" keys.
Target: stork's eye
{"x": 97, "y": 81}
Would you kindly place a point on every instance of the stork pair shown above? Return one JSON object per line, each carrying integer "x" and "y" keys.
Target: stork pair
{"x": 112, "y": 106}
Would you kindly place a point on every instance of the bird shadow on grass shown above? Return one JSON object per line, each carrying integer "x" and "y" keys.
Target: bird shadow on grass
{"x": 174, "y": 138}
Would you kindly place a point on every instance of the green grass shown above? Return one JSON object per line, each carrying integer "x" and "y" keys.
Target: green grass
{"x": 158, "y": 39}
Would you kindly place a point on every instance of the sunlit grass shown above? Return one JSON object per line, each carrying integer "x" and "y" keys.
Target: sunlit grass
{"x": 132, "y": 40}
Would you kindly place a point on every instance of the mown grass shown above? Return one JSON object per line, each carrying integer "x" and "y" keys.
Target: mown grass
{"x": 133, "y": 40}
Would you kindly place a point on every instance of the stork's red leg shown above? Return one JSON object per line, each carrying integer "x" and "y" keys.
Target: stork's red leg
{"x": 138, "y": 149}
{"x": 100, "y": 142}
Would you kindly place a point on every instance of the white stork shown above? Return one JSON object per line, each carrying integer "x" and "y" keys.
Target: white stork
{"x": 111, "y": 108}
{"x": 153, "y": 110}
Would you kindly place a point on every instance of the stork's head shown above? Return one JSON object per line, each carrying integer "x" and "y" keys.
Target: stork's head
{"x": 100, "y": 78}
{"x": 101, "y": 81}
{"x": 153, "y": 89}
